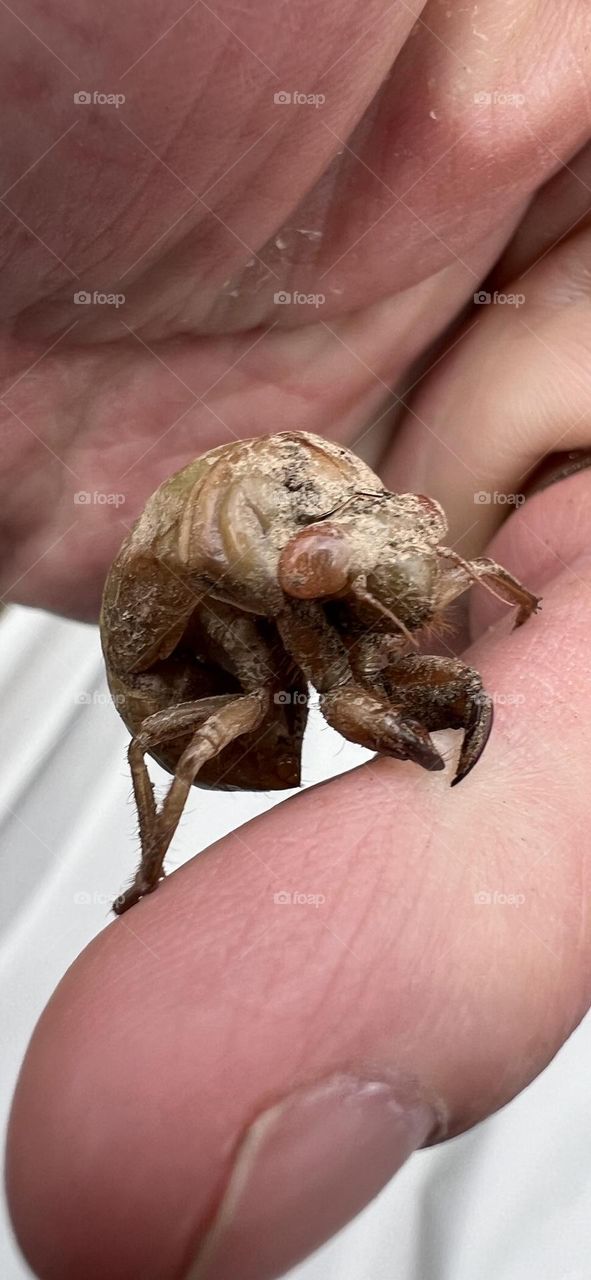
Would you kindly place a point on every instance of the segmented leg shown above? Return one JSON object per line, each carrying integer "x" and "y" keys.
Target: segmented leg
{"x": 154, "y": 732}
{"x": 214, "y": 721}
{"x": 492, "y": 576}
{"x": 351, "y": 708}
{"x": 444, "y": 694}
{"x": 217, "y": 722}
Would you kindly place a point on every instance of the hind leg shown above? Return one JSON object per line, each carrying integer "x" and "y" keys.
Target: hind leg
{"x": 216, "y": 722}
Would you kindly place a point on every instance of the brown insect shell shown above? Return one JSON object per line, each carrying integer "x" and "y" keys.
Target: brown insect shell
{"x": 395, "y": 551}
{"x": 215, "y": 530}
{"x": 257, "y": 497}
{"x": 219, "y": 527}
{"x": 385, "y": 539}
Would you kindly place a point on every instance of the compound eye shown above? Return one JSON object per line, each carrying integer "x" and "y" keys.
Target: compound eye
{"x": 315, "y": 563}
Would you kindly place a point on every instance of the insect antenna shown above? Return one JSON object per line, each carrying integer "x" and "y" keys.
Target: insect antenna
{"x": 475, "y": 578}
{"x": 360, "y": 592}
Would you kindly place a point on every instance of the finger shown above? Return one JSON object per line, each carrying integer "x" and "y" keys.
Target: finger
{"x": 560, "y": 208}
{"x": 514, "y": 387}
{"x": 434, "y": 953}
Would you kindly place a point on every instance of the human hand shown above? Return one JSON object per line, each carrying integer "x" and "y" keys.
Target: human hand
{"x": 178, "y": 1028}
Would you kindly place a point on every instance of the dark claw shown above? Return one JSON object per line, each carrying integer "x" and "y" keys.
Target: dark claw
{"x": 476, "y": 735}
{"x": 525, "y": 611}
{"x": 410, "y": 741}
{"x": 132, "y": 896}
{"x": 127, "y": 900}
{"x": 363, "y": 718}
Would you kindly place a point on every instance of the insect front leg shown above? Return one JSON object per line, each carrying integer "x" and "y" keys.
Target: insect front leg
{"x": 351, "y": 707}
{"x": 491, "y": 575}
{"x": 443, "y": 693}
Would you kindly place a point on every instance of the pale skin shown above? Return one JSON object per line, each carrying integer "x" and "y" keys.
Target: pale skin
{"x": 144, "y": 1028}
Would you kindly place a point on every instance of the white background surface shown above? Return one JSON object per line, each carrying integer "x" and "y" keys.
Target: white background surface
{"x": 509, "y": 1201}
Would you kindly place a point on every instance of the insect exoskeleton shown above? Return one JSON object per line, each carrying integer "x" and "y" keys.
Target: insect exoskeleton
{"x": 263, "y": 567}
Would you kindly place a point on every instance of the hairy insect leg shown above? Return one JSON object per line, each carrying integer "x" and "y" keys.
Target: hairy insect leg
{"x": 444, "y": 694}
{"x": 243, "y": 715}
{"x": 220, "y": 720}
{"x": 492, "y": 576}
{"x": 155, "y": 731}
{"x": 354, "y": 710}
{"x": 216, "y": 722}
